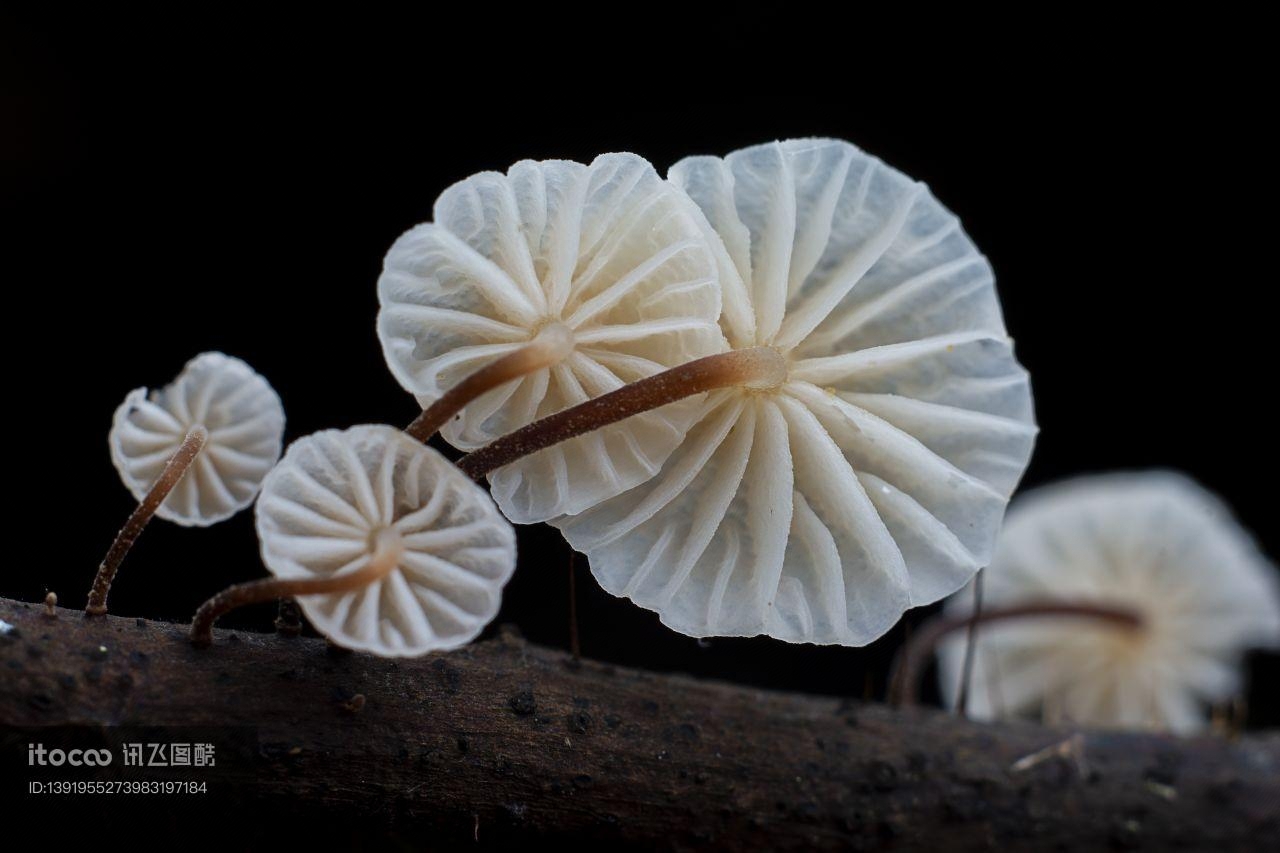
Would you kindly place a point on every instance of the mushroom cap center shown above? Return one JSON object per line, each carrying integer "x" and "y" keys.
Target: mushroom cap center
{"x": 385, "y": 540}
{"x": 555, "y": 336}
{"x": 769, "y": 370}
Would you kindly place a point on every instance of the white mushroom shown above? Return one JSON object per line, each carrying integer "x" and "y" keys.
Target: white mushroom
{"x": 870, "y": 423}
{"x": 539, "y": 289}
{"x": 387, "y": 546}
{"x": 1155, "y": 542}
{"x": 193, "y": 452}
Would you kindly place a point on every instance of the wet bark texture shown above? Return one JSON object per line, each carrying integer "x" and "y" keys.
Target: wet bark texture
{"x": 506, "y": 742}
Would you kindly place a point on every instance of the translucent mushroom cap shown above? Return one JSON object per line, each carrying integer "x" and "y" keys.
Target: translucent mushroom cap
{"x": 608, "y": 259}
{"x": 1153, "y": 541}
{"x": 245, "y": 425}
{"x": 875, "y": 476}
{"x": 335, "y": 494}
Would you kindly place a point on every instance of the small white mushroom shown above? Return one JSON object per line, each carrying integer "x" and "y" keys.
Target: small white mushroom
{"x": 541, "y": 288}
{"x": 387, "y": 546}
{"x": 865, "y": 431}
{"x": 1154, "y": 542}
{"x": 194, "y": 452}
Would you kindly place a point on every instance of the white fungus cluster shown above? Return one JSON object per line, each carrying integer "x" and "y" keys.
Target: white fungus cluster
{"x": 858, "y": 464}
{"x": 872, "y": 477}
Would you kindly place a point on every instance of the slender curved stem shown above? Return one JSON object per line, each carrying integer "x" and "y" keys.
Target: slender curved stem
{"x": 549, "y": 348}
{"x": 575, "y": 648}
{"x": 755, "y": 367}
{"x": 970, "y": 641}
{"x": 387, "y": 548}
{"x": 910, "y": 664}
{"x": 177, "y": 465}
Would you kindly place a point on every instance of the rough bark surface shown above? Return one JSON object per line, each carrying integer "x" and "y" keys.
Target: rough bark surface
{"x": 506, "y": 742}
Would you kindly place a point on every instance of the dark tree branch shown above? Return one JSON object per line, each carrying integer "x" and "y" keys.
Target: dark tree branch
{"x": 506, "y": 741}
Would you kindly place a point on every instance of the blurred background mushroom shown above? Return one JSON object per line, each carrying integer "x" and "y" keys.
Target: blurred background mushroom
{"x": 193, "y": 452}
{"x": 1153, "y": 542}
{"x": 387, "y": 546}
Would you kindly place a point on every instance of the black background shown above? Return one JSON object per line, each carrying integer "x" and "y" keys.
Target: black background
{"x": 210, "y": 190}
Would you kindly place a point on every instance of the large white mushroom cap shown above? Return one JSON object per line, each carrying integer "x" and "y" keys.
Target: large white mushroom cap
{"x": 609, "y": 256}
{"x": 1155, "y": 542}
{"x": 331, "y": 498}
{"x": 245, "y": 424}
{"x": 875, "y": 477}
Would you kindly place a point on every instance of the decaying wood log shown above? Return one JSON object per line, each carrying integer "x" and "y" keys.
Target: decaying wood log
{"x": 505, "y": 742}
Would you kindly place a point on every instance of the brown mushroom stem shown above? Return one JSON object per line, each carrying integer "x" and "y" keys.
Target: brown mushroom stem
{"x": 970, "y": 642}
{"x": 755, "y": 367}
{"x": 904, "y": 682}
{"x": 387, "y": 549}
{"x": 575, "y": 647}
{"x": 177, "y": 465}
{"x": 551, "y": 345}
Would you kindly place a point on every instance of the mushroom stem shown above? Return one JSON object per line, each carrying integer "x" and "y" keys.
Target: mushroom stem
{"x": 909, "y": 666}
{"x": 575, "y": 647}
{"x": 755, "y": 367}
{"x": 177, "y": 465}
{"x": 549, "y": 347}
{"x": 970, "y": 641}
{"x": 387, "y": 549}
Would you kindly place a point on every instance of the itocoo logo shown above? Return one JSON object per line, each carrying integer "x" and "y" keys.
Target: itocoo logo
{"x": 37, "y": 754}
